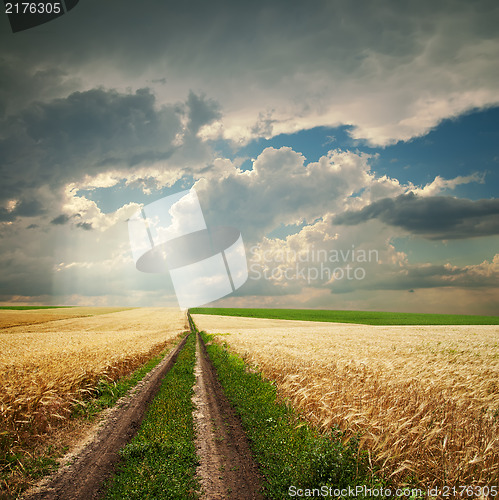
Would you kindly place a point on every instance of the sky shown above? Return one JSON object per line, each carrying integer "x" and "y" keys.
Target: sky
{"x": 354, "y": 145}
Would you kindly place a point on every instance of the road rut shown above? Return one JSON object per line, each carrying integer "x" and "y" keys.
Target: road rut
{"x": 226, "y": 469}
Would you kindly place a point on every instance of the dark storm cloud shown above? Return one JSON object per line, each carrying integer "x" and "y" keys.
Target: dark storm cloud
{"x": 64, "y": 219}
{"x": 60, "y": 220}
{"x": 21, "y": 82}
{"x": 24, "y": 208}
{"x": 60, "y": 141}
{"x": 201, "y": 111}
{"x": 253, "y": 41}
{"x": 29, "y": 208}
{"x": 6, "y": 215}
{"x": 434, "y": 217}
{"x": 99, "y": 124}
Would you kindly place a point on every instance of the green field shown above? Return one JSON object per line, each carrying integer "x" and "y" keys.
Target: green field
{"x": 362, "y": 317}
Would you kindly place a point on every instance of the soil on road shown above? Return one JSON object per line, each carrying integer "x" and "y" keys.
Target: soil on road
{"x": 226, "y": 469}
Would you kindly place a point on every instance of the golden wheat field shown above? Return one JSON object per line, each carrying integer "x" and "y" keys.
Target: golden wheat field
{"x": 12, "y": 317}
{"x": 52, "y": 359}
{"x": 424, "y": 399}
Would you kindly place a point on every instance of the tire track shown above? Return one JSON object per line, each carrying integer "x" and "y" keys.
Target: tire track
{"x": 227, "y": 469}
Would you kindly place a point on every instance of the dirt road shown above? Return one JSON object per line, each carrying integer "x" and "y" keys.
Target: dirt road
{"x": 226, "y": 468}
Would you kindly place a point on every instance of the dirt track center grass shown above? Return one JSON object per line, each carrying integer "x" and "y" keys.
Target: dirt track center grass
{"x": 52, "y": 360}
{"x": 424, "y": 400}
{"x": 361, "y": 317}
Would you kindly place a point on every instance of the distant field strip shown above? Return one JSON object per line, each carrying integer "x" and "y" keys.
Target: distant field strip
{"x": 27, "y": 308}
{"x": 358, "y": 317}
{"x": 47, "y": 365}
{"x": 425, "y": 399}
{"x": 18, "y": 317}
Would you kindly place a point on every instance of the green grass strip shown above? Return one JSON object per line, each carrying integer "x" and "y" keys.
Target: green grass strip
{"x": 160, "y": 461}
{"x": 289, "y": 452}
{"x": 362, "y": 317}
